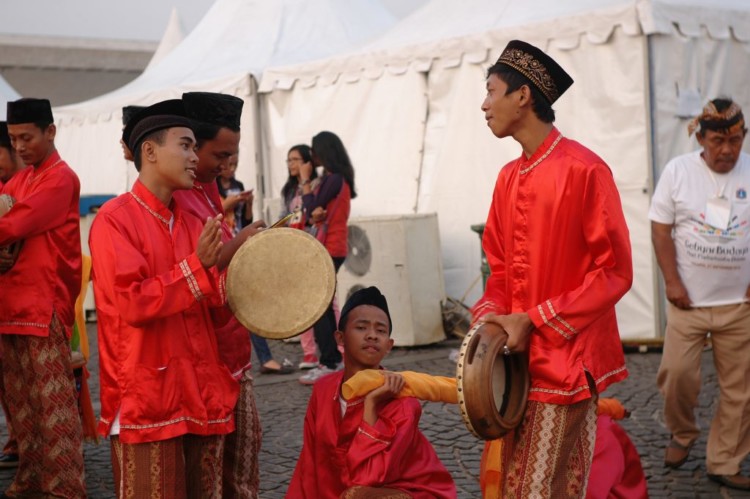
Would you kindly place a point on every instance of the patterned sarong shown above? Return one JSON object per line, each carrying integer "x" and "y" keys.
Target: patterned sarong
{"x": 242, "y": 447}
{"x": 188, "y": 466}
{"x": 549, "y": 455}
{"x": 41, "y": 397}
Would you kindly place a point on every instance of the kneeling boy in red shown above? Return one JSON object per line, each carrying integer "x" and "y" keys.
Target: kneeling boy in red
{"x": 371, "y": 442}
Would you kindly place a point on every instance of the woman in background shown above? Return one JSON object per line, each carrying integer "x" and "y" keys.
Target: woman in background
{"x": 327, "y": 208}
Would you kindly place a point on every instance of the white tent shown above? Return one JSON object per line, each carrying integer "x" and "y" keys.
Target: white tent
{"x": 407, "y": 107}
{"x": 226, "y": 52}
{"x": 7, "y": 93}
{"x": 173, "y": 36}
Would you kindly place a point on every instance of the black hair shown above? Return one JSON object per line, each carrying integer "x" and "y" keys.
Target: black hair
{"x": 205, "y": 131}
{"x": 515, "y": 80}
{"x": 290, "y": 187}
{"x": 332, "y": 154}
{"x": 158, "y": 136}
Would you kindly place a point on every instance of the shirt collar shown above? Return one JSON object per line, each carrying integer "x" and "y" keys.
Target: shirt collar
{"x": 153, "y": 204}
{"x": 541, "y": 153}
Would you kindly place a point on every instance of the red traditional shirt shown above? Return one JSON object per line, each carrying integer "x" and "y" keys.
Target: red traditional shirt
{"x": 341, "y": 452}
{"x": 158, "y": 359}
{"x": 558, "y": 249}
{"x": 203, "y": 201}
{"x": 46, "y": 278}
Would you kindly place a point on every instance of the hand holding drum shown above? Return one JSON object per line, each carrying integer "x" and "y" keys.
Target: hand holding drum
{"x": 493, "y": 384}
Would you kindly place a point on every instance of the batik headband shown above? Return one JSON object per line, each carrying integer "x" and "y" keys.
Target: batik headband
{"x": 729, "y": 120}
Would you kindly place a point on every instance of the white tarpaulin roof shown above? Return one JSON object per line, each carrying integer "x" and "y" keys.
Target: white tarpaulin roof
{"x": 173, "y": 36}
{"x": 225, "y": 52}
{"x": 7, "y": 93}
{"x": 407, "y": 107}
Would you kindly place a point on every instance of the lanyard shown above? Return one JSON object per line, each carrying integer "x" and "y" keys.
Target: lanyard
{"x": 719, "y": 192}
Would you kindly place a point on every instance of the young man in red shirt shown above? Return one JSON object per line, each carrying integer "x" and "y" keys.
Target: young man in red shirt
{"x": 559, "y": 252}
{"x": 36, "y": 323}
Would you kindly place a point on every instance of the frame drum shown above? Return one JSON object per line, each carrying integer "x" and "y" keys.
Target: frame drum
{"x": 280, "y": 282}
{"x": 12, "y": 250}
{"x": 492, "y": 387}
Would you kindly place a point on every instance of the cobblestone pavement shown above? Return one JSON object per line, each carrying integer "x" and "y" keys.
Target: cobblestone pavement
{"x": 282, "y": 402}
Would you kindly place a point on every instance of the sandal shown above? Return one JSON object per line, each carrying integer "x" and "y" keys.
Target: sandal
{"x": 285, "y": 368}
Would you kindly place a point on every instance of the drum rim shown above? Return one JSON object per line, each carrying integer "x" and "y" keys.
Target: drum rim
{"x": 501, "y": 424}
{"x": 242, "y": 315}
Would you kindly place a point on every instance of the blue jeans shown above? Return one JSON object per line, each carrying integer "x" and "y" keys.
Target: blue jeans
{"x": 260, "y": 345}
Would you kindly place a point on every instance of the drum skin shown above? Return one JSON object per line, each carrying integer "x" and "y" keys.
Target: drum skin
{"x": 492, "y": 387}
{"x": 280, "y": 282}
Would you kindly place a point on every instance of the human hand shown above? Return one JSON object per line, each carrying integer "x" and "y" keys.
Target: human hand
{"x": 251, "y": 230}
{"x": 318, "y": 215}
{"x": 393, "y": 383}
{"x": 209, "y": 242}
{"x": 305, "y": 171}
{"x": 517, "y": 326}
{"x": 677, "y": 295}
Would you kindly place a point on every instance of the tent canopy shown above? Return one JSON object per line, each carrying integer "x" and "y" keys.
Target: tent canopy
{"x": 7, "y": 93}
{"x": 447, "y": 31}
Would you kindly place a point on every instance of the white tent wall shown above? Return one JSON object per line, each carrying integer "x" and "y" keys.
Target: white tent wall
{"x": 381, "y": 123}
{"x": 90, "y": 143}
{"x": 7, "y": 93}
{"x": 703, "y": 66}
{"x": 226, "y": 52}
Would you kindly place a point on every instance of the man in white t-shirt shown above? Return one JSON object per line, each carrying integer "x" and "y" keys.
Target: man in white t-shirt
{"x": 700, "y": 228}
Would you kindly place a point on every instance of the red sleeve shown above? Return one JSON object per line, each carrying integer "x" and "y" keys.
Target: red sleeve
{"x": 305, "y": 478}
{"x": 124, "y": 274}
{"x": 378, "y": 453}
{"x": 42, "y": 210}
{"x": 493, "y": 301}
{"x": 606, "y": 235}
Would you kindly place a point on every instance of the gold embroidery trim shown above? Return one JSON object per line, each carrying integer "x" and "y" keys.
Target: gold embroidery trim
{"x": 148, "y": 208}
{"x": 363, "y": 432}
{"x": 31, "y": 179}
{"x": 580, "y": 388}
{"x": 560, "y": 319}
{"x": 548, "y": 322}
{"x": 543, "y": 157}
{"x": 22, "y": 323}
{"x": 191, "y": 280}
{"x": 532, "y": 69}
{"x": 174, "y": 421}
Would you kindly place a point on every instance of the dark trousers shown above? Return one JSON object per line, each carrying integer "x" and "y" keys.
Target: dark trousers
{"x": 324, "y": 329}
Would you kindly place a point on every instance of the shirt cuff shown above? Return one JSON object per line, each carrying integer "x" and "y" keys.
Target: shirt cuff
{"x": 546, "y": 319}
{"x": 198, "y": 279}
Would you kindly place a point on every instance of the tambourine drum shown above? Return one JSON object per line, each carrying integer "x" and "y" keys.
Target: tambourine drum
{"x": 280, "y": 282}
{"x": 492, "y": 387}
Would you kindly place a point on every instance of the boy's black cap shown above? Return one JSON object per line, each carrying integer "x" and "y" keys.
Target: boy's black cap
{"x": 541, "y": 70}
{"x": 216, "y": 109}
{"x": 4, "y": 137}
{"x": 367, "y": 296}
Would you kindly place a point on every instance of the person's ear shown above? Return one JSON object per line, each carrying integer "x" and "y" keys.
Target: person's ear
{"x": 339, "y": 335}
{"x": 148, "y": 151}
{"x": 50, "y": 132}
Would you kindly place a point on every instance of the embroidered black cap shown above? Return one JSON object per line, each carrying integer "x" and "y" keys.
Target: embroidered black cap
{"x": 543, "y": 72}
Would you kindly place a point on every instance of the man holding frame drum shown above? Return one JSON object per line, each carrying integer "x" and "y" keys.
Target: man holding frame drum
{"x": 559, "y": 253}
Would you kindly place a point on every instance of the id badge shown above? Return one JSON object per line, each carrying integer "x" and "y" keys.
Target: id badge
{"x": 718, "y": 211}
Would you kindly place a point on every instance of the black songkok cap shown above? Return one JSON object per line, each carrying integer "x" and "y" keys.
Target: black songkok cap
{"x": 165, "y": 114}
{"x": 543, "y": 72}
{"x": 367, "y": 296}
{"x": 4, "y": 137}
{"x": 215, "y": 109}
{"x": 29, "y": 110}
{"x": 128, "y": 112}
